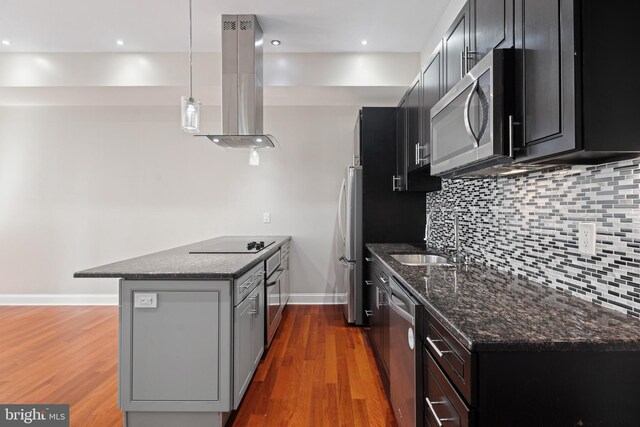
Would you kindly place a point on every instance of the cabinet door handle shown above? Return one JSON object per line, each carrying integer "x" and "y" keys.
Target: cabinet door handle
{"x": 254, "y": 303}
{"x": 383, "y": 280}
{"x": 467, "y": 56}
{"x": 393, "y": 182}
{"x": 432, "y": 343}
{"x": 511, "y": 125}
{"x": 367, "y": 259}
{"x": 462, "y": 72}
{"x": 368, "y": 282}
{"x": 369, "y": 313}
{"x": 417, "y": 155}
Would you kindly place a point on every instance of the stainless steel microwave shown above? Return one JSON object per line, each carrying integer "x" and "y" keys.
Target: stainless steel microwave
{"x": 472, "y": 125}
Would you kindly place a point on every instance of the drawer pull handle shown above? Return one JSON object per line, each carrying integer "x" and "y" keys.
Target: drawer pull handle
{"x": 368, "y": 282}
{"x": 246, "y": 285}
{"x": 433, "y": 412}
{"x": 369, "y": 313}
{"x": 433, "y": 345}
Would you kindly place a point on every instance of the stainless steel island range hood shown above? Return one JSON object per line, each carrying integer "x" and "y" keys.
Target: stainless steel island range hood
{"x": 242, "y": 85}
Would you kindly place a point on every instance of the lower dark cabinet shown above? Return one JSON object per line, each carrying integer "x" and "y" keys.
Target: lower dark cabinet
{"x": 442, "y": 402}
{"x": 378, "y": 314}
{"x": 526, "y": 388}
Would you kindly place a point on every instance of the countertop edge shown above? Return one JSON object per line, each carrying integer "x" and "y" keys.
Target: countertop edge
{"x": 87, "y": 274}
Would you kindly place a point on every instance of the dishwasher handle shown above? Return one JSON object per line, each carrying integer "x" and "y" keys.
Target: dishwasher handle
{"x": 401, "y": 312}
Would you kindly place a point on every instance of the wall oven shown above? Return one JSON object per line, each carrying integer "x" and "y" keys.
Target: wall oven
{"x": 472, "y": 125}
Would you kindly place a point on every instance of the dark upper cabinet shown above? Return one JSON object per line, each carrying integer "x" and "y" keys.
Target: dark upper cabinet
{"x": 575, "y": 102}
{"x": 480, "y": 26}
{"x": 413, "y": 126}
{"x": 545, "y": 78}
{"x": 455, "y": 44}
{"x": 400, "y": 178}
{"x": 432, "y": 91}
{"x": 491, "y": 27}
{"x": 412, "y": 172}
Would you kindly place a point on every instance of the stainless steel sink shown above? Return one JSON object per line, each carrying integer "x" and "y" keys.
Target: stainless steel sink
{"x": 420, "y": 259}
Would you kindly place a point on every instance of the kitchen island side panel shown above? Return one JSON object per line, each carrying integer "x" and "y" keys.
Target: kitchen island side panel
{"x": 176, "y": 356}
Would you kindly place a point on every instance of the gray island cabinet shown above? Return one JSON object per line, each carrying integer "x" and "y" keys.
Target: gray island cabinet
{"x": 192, "y": 332}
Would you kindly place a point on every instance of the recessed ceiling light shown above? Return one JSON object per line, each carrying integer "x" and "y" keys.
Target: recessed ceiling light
{"x": 364, "y": 42}
{"x": 275, "y": 42}
{"x": 6, "y": 42}
{"x": 258, "y": 139}
{"x": 120, "y": 42}
{"x": 216, "y": 140}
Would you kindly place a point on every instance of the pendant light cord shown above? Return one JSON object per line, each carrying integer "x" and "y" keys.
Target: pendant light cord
{"x": 190, "y": 52}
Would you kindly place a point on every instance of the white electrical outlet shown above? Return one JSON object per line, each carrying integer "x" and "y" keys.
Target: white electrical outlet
{"x": 145, "y": 300}
{"x": 587, "y": 238}
{"x": 266, "y": 217}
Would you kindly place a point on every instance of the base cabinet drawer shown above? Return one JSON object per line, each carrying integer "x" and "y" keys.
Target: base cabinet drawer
{"x": 247, "y": 283}
{"x": 456, "y": 361}
{"x": 442, "y": 404}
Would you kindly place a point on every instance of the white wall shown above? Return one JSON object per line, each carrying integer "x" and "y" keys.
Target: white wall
{"x": 84, "y": 186}
{"x": 442, "y": 25}
{"x": 94, "y": 167}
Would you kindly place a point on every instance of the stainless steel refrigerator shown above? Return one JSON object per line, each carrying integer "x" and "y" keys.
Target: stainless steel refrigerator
{"x": 350, "y": 225}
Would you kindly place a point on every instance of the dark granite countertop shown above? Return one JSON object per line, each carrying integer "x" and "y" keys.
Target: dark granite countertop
{"x": 178, "y": 263}
{"x": 490, "y": 310}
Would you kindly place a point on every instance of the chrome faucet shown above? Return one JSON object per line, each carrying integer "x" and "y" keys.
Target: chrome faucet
{"x": 427, "y": 230}
{"x": 452, "y": 250}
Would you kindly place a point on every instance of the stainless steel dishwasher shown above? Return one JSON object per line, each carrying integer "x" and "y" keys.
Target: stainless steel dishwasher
{"x": 402, "y": 369}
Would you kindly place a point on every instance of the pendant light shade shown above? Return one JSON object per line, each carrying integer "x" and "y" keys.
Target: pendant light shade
{"x": 190, "y": 107}
{"x": 254, "y": 157}
{"x": 190, "y": 114}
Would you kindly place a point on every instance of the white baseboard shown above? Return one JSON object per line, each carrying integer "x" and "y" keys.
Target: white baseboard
{"x": 59, "y": 299}
{"x": 112, "y": 299}
{"x": 316, "y": 299}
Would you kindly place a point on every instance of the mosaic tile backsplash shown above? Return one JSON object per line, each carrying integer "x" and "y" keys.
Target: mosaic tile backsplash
{"x": 528, "y": 225}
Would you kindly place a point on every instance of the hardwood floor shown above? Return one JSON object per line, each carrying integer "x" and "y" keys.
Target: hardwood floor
{"x": 62, "y": 355}
{"x": 317, "y": 372}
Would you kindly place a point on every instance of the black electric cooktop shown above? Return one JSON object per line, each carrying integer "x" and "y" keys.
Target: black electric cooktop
{"x": 234, "y": 246}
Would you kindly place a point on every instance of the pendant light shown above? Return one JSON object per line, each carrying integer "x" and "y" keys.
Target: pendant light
{"x": 254, "y": 157}
{"x": 190, "y": 107}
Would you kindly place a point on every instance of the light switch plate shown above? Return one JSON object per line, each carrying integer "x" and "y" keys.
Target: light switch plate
{"x": 587, "y": 238}
{"x": 266, "y": 217}
{"x": 145, "y": 300}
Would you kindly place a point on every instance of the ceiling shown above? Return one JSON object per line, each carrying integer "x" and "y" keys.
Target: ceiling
{"x": 162, "y": 26}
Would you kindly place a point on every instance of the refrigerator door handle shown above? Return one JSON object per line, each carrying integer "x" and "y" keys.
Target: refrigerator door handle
{"x": 343, "y": 187}
{"x": 349, "y": 227}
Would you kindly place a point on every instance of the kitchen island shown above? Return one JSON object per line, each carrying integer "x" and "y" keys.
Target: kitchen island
{"x": 494, "y": 349}
{"x": 192, "y": 327}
